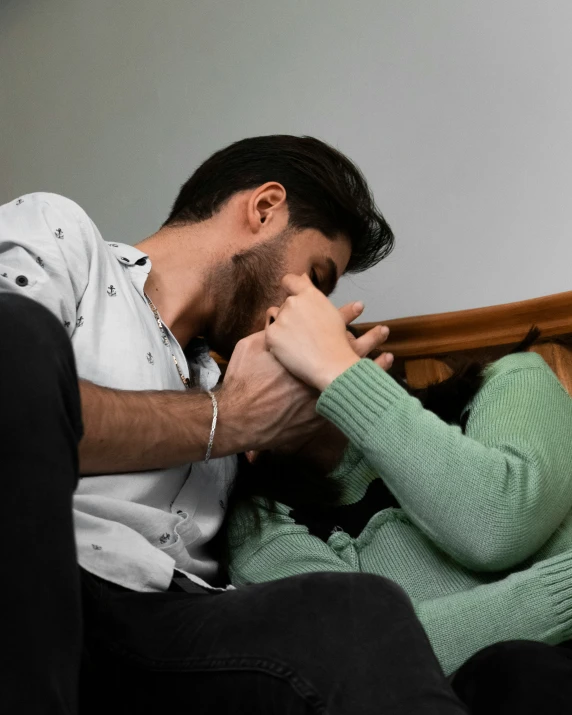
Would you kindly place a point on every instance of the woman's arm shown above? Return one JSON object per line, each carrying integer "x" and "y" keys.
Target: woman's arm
{"x": 534, "y": 604}
{"x": 491, "y": 497}
{"x": 278, "y": 548}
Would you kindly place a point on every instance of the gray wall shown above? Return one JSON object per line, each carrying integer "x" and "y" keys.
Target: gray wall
{"x": 458, "y": 111}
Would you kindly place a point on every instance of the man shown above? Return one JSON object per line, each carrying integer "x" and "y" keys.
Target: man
{"x": 156, "y": 457}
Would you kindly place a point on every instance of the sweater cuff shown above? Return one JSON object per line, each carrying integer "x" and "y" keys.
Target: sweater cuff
{"x": 357, "y": 396}
{"x": 556, "y": 577}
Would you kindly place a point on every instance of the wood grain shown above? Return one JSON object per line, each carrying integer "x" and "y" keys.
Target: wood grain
{"x": 459, "y": 331}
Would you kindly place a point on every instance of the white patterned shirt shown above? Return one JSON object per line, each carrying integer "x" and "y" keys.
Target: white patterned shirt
{"x": 131, "y": 529}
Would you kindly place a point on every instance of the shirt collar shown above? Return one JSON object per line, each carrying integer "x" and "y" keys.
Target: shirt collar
{"x": 197, "y": 354}
{"x": 138, "y": 262}
{"x": 129, "y": 255}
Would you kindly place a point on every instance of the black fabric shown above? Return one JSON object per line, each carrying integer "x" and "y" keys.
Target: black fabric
{"x": 320, "y": 643}
{"x": 520, "y": 677}
{"x": 40, "y": 426}
{"x": 351, "y": 518}
{"x": 301, "y": 645}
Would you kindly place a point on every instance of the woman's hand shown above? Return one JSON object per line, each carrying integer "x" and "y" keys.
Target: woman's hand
{"x": 308, "y": 335}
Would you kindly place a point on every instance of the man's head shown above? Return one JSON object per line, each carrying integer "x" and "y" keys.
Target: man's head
{"x": 279, "y": 204}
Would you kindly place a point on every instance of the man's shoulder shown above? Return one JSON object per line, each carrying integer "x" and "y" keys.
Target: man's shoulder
{"x": 47, "y": 214}
{"x": 39, "y": 199}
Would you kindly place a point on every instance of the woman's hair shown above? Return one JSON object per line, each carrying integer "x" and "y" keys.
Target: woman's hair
{"x": 325, "y": 191}
{"x": 299, "y": 482}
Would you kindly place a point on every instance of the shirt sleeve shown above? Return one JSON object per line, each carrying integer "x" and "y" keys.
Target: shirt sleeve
{"x": 46, "y": 247}
{"x": 489, "y": 498}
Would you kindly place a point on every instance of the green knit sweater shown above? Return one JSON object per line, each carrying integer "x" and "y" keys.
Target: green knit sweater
{"x": 482, "y": 542}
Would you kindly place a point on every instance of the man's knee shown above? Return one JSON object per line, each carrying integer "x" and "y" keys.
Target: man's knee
{"x": 37, "y": 354}
{"x": 25, "y": 318}
{"x": 356, "y": 591}
{"x": 34, "y": 341}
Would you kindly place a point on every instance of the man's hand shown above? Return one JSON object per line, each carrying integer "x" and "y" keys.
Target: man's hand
{"x": 262, "y": 406}
{"x": 275, "y": 409}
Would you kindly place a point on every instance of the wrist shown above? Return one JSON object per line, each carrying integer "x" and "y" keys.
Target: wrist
{"x": 334, "y": 368}
{"x": 230, "y": 432}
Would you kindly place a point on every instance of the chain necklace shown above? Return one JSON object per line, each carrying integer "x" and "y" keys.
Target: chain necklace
{"x": 185, "y": 380}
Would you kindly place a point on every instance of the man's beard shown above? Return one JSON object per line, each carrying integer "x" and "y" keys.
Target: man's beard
{"x": 245, "y": 288}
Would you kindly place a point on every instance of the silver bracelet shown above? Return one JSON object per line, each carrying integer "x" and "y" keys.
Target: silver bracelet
{"x": 213, "y": 426}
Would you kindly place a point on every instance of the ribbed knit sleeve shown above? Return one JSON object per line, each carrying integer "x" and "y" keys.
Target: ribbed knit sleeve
{"x": 535, "y": 604}
{"x": 490, "y": 498}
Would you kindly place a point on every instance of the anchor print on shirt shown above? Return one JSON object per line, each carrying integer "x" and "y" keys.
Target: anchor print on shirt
{"x": 150, "y": 359}
{"x": 67, "y": 323}
{"x": 20, "y": 201}
{"x": 58, "y": 233}
{"x": 111, "y": 292}
{"x": 164, "y": 538}
{"x": 40, "y": 262}
{"x": 79, "y": 322}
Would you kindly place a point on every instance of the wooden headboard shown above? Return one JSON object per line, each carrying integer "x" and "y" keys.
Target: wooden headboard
{"x": 424, "y": 346}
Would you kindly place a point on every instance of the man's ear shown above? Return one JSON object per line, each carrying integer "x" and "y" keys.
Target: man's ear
{"x": 267, "y": 206}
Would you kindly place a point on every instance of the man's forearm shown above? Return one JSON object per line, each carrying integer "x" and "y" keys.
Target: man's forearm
{"x": 129, "y": 431}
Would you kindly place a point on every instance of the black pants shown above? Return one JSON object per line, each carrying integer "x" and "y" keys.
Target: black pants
{"x": 520, "y": 677}
{"x": 321, "y": 643}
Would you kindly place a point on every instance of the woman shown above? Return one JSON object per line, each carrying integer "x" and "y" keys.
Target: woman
{"x": 482, "y": 538}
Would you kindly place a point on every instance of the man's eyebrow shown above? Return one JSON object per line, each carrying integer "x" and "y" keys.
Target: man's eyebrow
{"x": 331, "y": 276}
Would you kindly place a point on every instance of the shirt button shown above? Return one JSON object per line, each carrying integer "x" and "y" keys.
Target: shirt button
{"x": 141, "y": 262}
{"x": 21, "y": 281}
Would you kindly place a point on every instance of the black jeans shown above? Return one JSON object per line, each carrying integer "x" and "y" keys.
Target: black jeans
{"x": 321, "y": 643}
{"x": 520, "y": 677}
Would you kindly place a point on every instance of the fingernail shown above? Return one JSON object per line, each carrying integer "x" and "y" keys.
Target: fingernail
{"x": 358, "y": 306}
{"x": 384, "y": 329}
{"x": 389, "y": 359}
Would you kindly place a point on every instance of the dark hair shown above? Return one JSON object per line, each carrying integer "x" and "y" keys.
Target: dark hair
{"x": 325, "y": 191}
{"x": 298, "y": 483}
